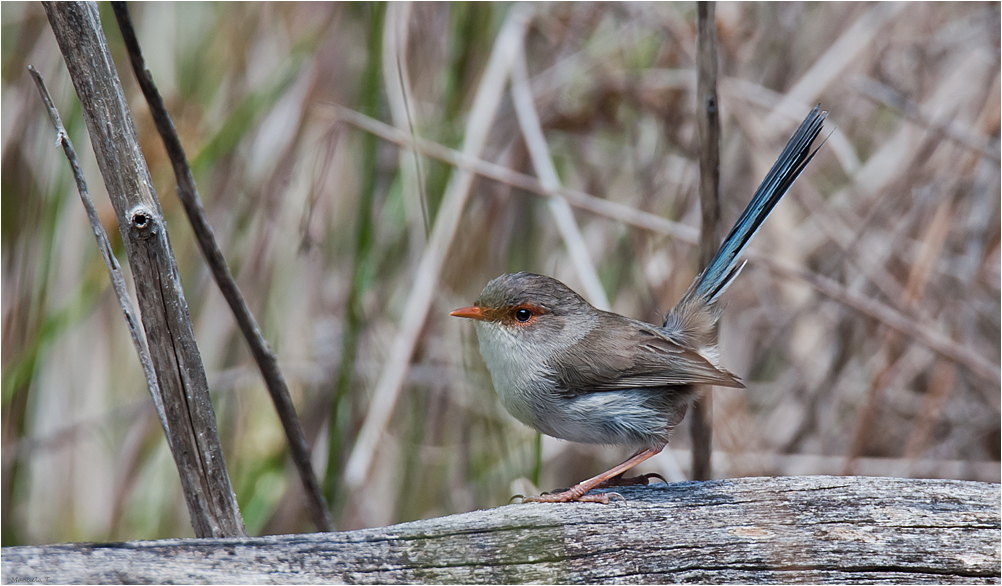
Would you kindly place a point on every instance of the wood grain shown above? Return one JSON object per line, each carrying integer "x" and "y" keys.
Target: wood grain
{"x": 753, "y": 530}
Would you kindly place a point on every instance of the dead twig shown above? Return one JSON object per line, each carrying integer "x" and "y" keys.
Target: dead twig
{"x": 708, "y": 124}
{"x": 117, "y": 280}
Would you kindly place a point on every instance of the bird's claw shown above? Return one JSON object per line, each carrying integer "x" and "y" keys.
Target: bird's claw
{"x": 650, "y": 475}
{"x": 641, "y": 480}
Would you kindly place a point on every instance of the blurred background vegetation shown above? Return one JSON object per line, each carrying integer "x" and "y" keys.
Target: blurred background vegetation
{"x": 323, "y": 225}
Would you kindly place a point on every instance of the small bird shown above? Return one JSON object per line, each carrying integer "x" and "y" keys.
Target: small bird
{"x": 571, "y": 371}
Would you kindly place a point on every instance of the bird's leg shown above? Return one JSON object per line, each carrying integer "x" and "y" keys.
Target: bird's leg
{"x": 640, "y": 480}
{"x": 577, "y": 492}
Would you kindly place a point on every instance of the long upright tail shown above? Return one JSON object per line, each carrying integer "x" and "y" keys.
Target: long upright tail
{"x": 724, "y": 267}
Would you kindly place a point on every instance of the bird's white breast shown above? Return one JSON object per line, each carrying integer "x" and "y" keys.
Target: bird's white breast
{"x": 516, "y": 373}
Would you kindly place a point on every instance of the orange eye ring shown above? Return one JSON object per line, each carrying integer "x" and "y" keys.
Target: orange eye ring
{"x": 523, "y": 314}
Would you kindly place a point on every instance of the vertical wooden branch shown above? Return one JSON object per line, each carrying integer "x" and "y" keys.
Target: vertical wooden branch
{"x": 176, "y": 360}
{"x": 708, "y": 122}
{"x": 266, "y": 360}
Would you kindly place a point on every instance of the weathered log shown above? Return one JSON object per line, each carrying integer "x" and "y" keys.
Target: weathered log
{"x": 751, "y": 530}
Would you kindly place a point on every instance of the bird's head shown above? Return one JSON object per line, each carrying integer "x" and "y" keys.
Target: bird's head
{"x": 528, "y": 312}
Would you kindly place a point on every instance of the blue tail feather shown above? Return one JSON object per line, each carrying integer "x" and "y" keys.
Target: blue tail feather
{"x": 792, "y": 161}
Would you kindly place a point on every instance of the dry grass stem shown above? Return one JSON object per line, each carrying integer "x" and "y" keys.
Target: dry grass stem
{"x": 401, "y": 101}
{"x": 964, "y": 135}
{"x": 532, "y": 132}
{"x": 384, "y": 396}
{"x": 926, "y": 334}
{"x": 602, "y": 207}
{"x": 857, "y": 38}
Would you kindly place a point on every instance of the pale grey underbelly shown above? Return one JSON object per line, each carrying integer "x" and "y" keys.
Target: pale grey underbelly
{"x": 635, "y": 417}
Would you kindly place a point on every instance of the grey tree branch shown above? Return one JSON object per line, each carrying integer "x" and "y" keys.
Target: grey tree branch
{"x": 117, "y": 280}
{"x": 260, "y": 349}
{"x": 808, "y": 529}
{"x": 176, "y": 360}
{"x": 708, "y": 124}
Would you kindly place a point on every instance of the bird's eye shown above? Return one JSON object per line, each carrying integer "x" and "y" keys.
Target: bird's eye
{"x": 523, "y": 315}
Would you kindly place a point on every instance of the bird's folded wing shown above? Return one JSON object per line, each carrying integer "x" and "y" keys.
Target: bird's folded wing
{"x": 634, "y": 357}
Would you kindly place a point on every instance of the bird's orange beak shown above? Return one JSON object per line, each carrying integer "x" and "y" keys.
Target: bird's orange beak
{"x": 470, "y": 312}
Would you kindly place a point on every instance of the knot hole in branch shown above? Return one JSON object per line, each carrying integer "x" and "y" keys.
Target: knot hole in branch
{"x": 142, "y": 221}
{"x": 710, "y": 102}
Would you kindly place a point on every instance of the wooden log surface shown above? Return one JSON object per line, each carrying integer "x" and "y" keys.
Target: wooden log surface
{"x": 750, "y": 530}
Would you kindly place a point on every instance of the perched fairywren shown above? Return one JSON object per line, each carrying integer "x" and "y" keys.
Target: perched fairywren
{"x": 582, "y": 374}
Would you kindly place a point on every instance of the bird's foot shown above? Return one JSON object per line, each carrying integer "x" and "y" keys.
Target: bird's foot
{"x": 613, "y": 477}
{"x": 641, "y": 480}
{"x": 572, "y": 496}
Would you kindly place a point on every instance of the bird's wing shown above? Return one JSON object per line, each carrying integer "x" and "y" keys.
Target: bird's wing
{"x": 633, "y": 355}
